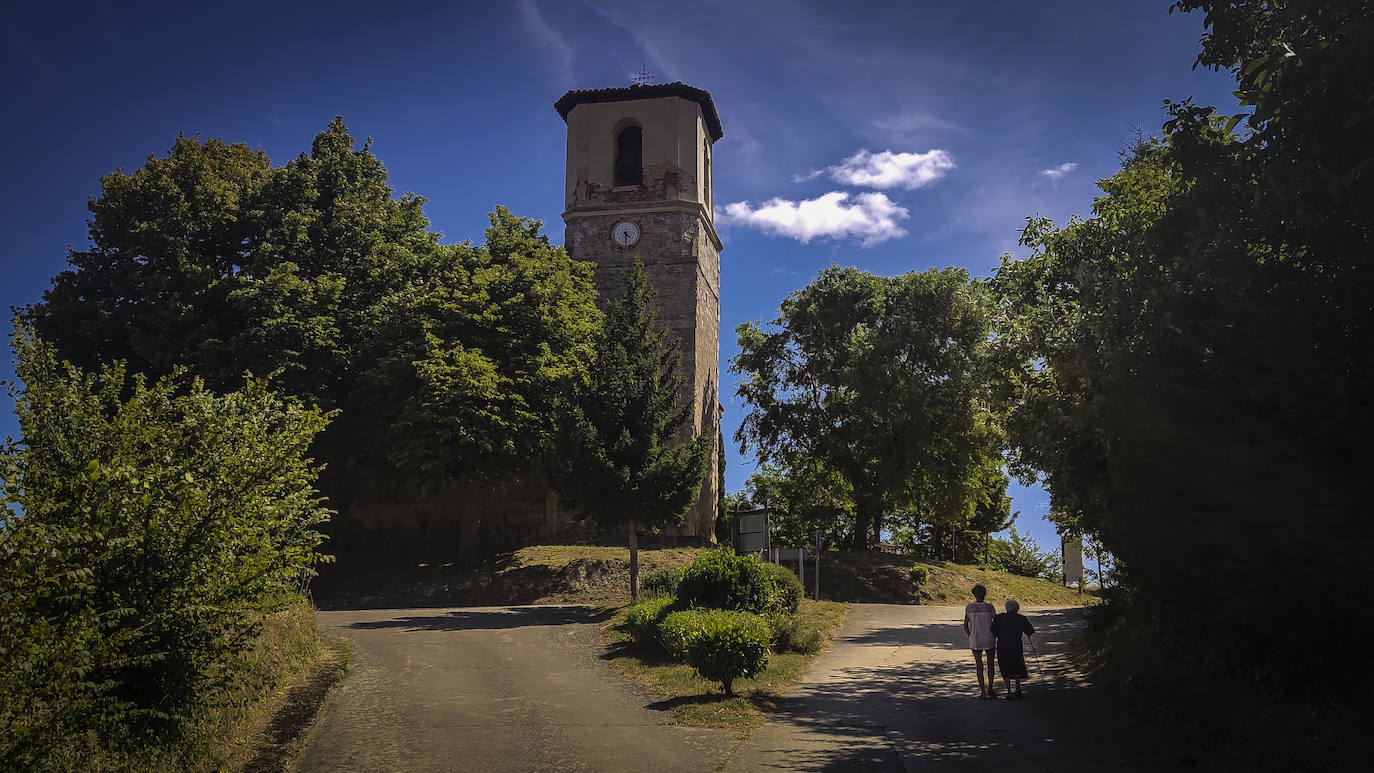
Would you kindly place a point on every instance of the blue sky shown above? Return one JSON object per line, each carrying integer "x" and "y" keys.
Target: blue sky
{"x": 906, "y": 134}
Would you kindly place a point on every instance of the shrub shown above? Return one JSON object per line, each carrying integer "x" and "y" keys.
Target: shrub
{"x": 663, "y": 582}
{"x": 788, "y": 635}
{"x": 677, "y": 629}
{"x": 642, "y": 619}
{"x": 920, "y": 574}
{"x": 719, "y": 579}
{"x": 727, "y": 646}
{"x": 147, "y": 529}
{"x": 787, "y": 588}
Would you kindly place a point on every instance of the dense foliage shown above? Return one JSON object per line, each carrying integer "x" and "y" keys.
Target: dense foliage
{"x": 621, "y": 464}
{"x": 866, "y": 390}
{"x": 642, "y": 619}
{"x": 1190, "y": 368}
{"x": 787, "y": 590}
{"x": 721, "y": 579}
{"x": 728, "y": 645}
{"x": 148, "y": 526}
{"x": 446, "y": 361}
{"x": 1022, "y": 554}
{"x": 663, "y": 582}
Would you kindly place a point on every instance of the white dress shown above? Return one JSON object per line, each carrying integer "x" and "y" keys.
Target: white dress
{"x": 979, "y": 615}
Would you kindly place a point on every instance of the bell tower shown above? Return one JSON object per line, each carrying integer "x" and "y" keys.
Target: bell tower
{"x": 639, "y": 183}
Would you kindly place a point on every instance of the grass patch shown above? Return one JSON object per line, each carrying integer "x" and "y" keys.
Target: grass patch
{"x": 289, "y": 670}
{"x": 695, "y": 701}
{"x": 600, "y": 576}
{"x": 886, "y": 578}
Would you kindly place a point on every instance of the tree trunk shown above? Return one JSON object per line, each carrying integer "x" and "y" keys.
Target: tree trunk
{"x": 987, "y": 542}
{"x": 634, "y": 562}
{"x": 866, "y": 521}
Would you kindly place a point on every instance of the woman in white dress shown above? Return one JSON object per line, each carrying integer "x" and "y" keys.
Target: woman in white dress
{"x": 978, "y": 618}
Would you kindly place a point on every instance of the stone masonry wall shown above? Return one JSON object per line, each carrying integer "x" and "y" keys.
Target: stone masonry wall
{"x": 683, "y": 265}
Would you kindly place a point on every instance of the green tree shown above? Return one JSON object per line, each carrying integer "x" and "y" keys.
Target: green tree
{"x": 147, "y": 528}
{"x": 802, "y": 500}
{"x": 445, "y": 360}
{"x": 991, "y": 507}
{"x": 1022, "y": 555}
{"x": 874, "y": 378}
{"x": 626, "y": 456}
{"x": 1189, "y": 368}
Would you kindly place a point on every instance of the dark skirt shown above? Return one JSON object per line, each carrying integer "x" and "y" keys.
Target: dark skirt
{"x": 1011, "y": 663}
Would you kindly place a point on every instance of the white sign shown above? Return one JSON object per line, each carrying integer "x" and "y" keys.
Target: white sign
{"x": 754, "y": 523}
{"x": 1073, "y": 559}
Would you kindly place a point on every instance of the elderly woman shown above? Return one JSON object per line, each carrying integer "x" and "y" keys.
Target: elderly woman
{"x": 1008, "y": 627}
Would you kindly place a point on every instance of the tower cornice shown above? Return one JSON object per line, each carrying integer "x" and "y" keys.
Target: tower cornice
{"x": 702, "y": 97}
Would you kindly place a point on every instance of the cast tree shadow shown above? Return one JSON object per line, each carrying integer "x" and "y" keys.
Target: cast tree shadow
{"x": 924, "y": 706}
{"x": 499, "y": 618}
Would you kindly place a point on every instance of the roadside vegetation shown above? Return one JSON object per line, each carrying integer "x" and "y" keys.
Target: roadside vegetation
{"x": 600, "y": 576}
{"x": 721, "y": 638}
{"x": 152, "y": 532}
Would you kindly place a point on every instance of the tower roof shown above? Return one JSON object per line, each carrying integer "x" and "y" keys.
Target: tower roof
{"x": 567, "y": 102}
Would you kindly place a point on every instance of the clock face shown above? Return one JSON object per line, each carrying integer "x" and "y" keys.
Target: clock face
{"x": 625, "y": 233}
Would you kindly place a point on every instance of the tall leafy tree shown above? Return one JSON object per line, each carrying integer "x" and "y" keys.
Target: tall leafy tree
{"x": 627, "y": 456}
{"x": 1189, "y": 368}
{"x": 803, "y": 501}
{"x": 875, "y": 379}
{"x": 445, "y": 361}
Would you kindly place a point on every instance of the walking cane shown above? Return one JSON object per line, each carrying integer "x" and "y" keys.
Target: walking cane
{"x": 1035, "y": 658}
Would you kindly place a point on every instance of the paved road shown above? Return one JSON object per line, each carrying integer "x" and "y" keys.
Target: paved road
{"x": 492, "y": 689}
{"x": 523, "y": 689}
{"x": 898, "y": 692}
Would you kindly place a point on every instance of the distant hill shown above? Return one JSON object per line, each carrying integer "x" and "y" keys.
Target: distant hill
{"x": 587, "y": 574}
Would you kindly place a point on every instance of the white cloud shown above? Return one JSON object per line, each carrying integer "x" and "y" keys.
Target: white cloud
{"x": 811, "y": 175}
{"x": 1059, "y": 171}
{"x": 893, "y": 170}
{"x": 873, "y": 217}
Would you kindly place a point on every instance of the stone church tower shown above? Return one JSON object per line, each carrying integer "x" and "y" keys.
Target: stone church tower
{"x": 639, "y": 185}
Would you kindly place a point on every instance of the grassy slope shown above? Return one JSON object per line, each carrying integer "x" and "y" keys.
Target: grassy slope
{"x": 289, "y": 670}
{"x": 587, "y": 574}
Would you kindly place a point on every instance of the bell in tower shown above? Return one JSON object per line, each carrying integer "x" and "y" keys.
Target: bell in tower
{"x": 639, "y": 185}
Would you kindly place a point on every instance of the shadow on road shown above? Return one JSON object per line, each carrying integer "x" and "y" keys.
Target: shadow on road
{"x": 923, "y": 703}
{"x": 486, "y": 619}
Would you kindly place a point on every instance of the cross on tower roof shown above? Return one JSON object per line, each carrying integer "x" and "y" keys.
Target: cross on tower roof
{"x": 643, "y": 78}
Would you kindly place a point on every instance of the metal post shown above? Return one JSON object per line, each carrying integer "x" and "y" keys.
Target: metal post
{"x": 818, "y": 566}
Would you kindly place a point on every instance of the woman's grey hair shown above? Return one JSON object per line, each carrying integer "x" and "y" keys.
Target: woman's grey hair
{"x": 1012, "y": 606}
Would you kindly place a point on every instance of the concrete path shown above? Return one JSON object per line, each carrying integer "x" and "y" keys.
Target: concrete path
{"x": 492, "y": 689}
{"x": 898, "y": 692}
{"x": 524, "y": 689}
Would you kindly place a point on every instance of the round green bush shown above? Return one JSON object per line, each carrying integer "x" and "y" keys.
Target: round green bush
{"x": 727, "y": 646}
{"x": 663, "y": 582}
{"x": 677, "y": 628}
{"x": 719, "y": 579}
{"x": 920, "y": 574}
{"x": 642, "y": 619}
{"x": 787, "y": 587}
